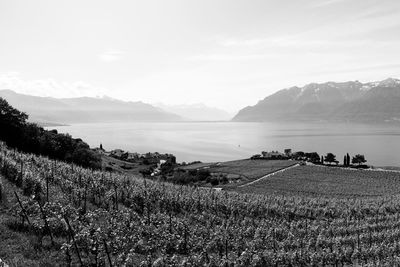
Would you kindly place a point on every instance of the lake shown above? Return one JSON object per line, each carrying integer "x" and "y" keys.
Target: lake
{"x": 221, "y": 141}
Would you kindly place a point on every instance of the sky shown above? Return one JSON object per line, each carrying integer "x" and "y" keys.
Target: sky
{"x": 223, "y": 53}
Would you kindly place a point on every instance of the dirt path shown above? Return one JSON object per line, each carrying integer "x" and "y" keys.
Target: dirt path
{"x": 268, "y": 175}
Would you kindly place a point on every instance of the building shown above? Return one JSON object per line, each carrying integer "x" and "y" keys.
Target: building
{"x": 273, "y": 155}
{"x": 117, "y": 153}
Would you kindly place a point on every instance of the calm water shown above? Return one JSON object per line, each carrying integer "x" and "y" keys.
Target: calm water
{"x": 231, "y": 140}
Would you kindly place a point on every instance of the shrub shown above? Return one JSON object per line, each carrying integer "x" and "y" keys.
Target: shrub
{"x": 108, "y": 169}
{"x": 214, "y": 181}
{"x": 224, "y": 179}
{"x": 193, "y": 172}
{"x": 203, "y": 174}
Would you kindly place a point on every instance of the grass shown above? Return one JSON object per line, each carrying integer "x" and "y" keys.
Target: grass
{"x": 245, "y": 170}
{"x": 326, "y": 181}
{"x": 252, "y": 169}
{"x": 120, "y": 166}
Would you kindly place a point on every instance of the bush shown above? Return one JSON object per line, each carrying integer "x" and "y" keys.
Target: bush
{"x": 203, "y": 174}
{"x": 193, "y": 172}
{"x": 224, "y": 179}
{"x": 108, "y": 169}
{"x": 214, "y": 181}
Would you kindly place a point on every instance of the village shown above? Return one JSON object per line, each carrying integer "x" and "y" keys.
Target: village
{"x": 226, "y": 174}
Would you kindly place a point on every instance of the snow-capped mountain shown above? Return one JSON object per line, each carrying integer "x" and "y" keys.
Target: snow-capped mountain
{"x": 345, "y": 101}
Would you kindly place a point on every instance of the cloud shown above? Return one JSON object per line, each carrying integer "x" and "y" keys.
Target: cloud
{"x": 111, "y": 55}
{"x": 48, "y": 87}
{"x": 295, "y": 42}
{"x": 323, "y": 3}
{"x": 388, "y": 67}
{"x": 229, "y": 57}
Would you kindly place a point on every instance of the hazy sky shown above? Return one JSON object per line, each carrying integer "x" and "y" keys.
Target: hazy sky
{"x": 228, "y": 54}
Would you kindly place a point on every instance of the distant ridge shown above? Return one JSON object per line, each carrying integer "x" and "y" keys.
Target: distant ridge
{"x": 197, "y": 112}
{"x": 48, "y": 110}
{"x": 330, "y": 101}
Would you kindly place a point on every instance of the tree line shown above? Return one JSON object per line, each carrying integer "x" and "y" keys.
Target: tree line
{"x": 18, "y": 133}
{"x": 331, "y": 158}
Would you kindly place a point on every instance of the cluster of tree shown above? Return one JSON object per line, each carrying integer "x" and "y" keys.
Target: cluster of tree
{"x": 18, "y": 133}
{"x": 358, "y": 159}
{"x": 194, "y": 177}
{"x": 331, "y": 158}
{"x": 309, "y": 156}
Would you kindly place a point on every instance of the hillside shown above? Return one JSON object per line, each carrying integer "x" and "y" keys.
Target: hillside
{"x": 347, "y": 101}
{"x": 73, "y": 216}
{"x": 85, "y": 109}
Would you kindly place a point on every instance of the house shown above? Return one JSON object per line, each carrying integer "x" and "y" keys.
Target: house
{"x": 155, "y": 158}
{"x": 273, "y": 155}
{"x": 99, "y": 150}
{"x": 117, "y": 153}
{"x": 133, "y": 157}
{"x": 257, "y": 156}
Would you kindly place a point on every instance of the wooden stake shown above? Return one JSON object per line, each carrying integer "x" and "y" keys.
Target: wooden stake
{"x": 71, "y": 233}
{"x": 23, "y": 209}
{"x": 46, "y": 223}
{"x": 47, "y": 188}
{"x": 108, "y": 254}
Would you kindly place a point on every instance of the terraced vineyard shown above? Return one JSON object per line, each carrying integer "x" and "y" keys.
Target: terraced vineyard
{"x": 104, "y": 219}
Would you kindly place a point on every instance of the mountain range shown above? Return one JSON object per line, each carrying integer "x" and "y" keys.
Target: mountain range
{"x": 48, "y": 110}
{"x": 331, "y": 101}
{"x": 197, "y": 112}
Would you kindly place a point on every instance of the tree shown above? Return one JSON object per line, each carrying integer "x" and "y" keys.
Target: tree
{"x": 11, "y": 123}
{"x": 322, "y": 160}
{"x": 345, "y": 160}
{"x": 10, "y": 115}
{"x": 358, "y": 159}
{"x": 101, "y": 147}
{"x": 313, "y": 157}
{"x": 330, "y": 157}
{"x": 16, "y": 132}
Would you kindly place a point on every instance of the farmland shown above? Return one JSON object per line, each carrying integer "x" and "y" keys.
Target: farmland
{"x": 328, "y": 181}
{"x": 108, "y": 219}
{"x": 245, "y": 170}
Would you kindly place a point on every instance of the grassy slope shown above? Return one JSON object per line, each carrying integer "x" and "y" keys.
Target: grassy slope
{"x": 18, "y": 247}
{"x": 248, "y": 170}
{"x": 121, "y": 166}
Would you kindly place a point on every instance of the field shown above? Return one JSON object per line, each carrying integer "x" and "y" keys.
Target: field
{"x": 328, "y": 181}
{"x": 116, "y": 165}
{"x": 246, "y": 170}
{"x": 94, "y": 218}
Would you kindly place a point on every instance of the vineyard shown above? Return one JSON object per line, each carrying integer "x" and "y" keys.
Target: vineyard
{"x": 328, "y": 181}
{"x": 106, "y": 219}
